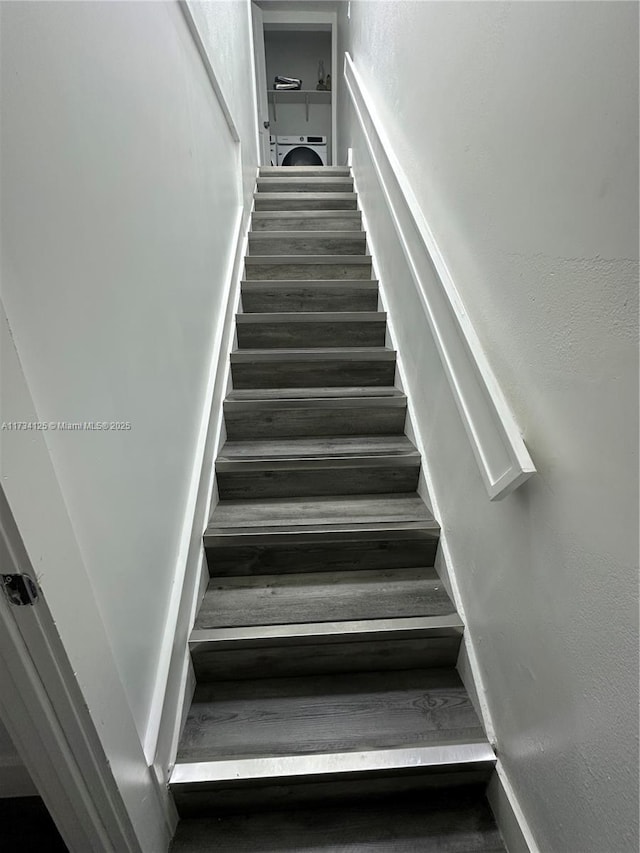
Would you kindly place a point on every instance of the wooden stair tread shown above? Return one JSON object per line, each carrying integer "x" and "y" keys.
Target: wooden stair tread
{"x": 305, "y": 201}
{"x": 309, "y": 395}
{"x": 309, "y": 295}
{"x": 323, "y": 597}
{"x": 329, "y": 244}
{"x": 308, "y": 196}
{"x": 278, "y": 330}
{"x": 365, "y": 401}
{"x": 315, "y": 260}
{"x": 353, "y": 236}
{"x": 301, "y": 180}
{"x": 305, "y": 214}
{"x": 327, "y": 714}
{"x": 267, "y": 171}
{"x": 319, "y": 448}
{"x": 305, "y": 184}
{"x": 343, "y": 219}
{"x": 256, "y": 318}
{"x": 292, "y": 283}
{"x": 321, "y": 354}
{"x": 338, "y": 513}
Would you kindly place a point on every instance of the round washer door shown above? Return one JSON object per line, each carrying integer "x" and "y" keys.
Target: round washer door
{"x": 301, "y": 155}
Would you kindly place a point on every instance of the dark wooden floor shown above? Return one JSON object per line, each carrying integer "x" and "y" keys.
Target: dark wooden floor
{"x": 452, "y": 821}
{"x": 26, "y": 827}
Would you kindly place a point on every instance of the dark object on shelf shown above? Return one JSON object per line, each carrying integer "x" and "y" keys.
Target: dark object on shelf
{"x": 287, "y": 83}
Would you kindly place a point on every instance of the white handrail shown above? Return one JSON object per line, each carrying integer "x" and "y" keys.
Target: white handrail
{"x": 499, "y": 449}
{"x": 211, "y": 74}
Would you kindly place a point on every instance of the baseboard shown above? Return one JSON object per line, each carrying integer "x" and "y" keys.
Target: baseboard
{"x": 174, "y": 686}
{"x": 515, "y": 831}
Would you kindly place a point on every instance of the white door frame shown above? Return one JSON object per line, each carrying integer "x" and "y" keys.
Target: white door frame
{"x": 306, "y": 20}
{"x": 260, "y": 69}
{"x": 48, "y": 721}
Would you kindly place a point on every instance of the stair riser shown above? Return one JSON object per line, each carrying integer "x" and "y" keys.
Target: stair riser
{"x": 309, "y": 374}
{"x": 202, "y": 801}
{"x": 255, "y": 555}
{"x": 304, "y": 171}
{"x": 307, "y": 482}
{"x": 303, "y": 201}
{"x": 297, "y": 423}
{"x": 323, "y": 658}
{"x": 300, "y": 185}
{"x": 297, "y": 335}
{"x": 301, "y": 246}
{"x": 315, "y": 297}
{"x": 309, "y": 271}
{"x": 296, "y": 223}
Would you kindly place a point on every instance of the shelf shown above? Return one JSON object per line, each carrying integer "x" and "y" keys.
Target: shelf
{"x": 297, "y": 96}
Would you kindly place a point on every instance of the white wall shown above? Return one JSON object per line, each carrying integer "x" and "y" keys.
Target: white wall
{"x": 225, "y": 29}
{"x": 32, "y": 489}
{"x": 121, "y": 188}
{"x": 517, "y": 126}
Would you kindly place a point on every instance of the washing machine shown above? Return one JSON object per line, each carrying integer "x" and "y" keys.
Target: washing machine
{"x": 302, "y": 150}
{"x": 273, "y": 148}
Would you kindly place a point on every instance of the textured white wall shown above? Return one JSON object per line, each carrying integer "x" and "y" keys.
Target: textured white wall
{"x": 517, "y": 125}
{"x": 225, "y": 29}
{"x": 120, "y": 191}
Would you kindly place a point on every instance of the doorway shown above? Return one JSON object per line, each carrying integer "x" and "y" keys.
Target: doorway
{"x": 296, "y": 74}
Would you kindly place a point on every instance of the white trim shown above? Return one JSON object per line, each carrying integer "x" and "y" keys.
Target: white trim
{"x": 309, "y": 20}
{"x": 516, "y": 832}
{"x": 211, "y": 74}
{"x": 467, "y": 664}
{"x": 333, "y": 763}
{"x": 427, "y": 492}
{"x": 172, "y": 689}
{"x": 498, "y": 447}
{"x": 49, "y": 723}
{"x": 334, "y": 90}
{"x": 298, "y": 16}
{"x": 259, "y": 88}
{"x": 508, "y": 813}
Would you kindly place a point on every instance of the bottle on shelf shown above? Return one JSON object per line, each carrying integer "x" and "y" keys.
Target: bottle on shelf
{"x": 322, "y": 86}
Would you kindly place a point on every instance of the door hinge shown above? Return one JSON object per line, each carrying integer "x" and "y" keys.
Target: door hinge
{"x": 20, "y": 589}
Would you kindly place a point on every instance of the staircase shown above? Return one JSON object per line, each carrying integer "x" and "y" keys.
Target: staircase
{"x": 328, "y": 713}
